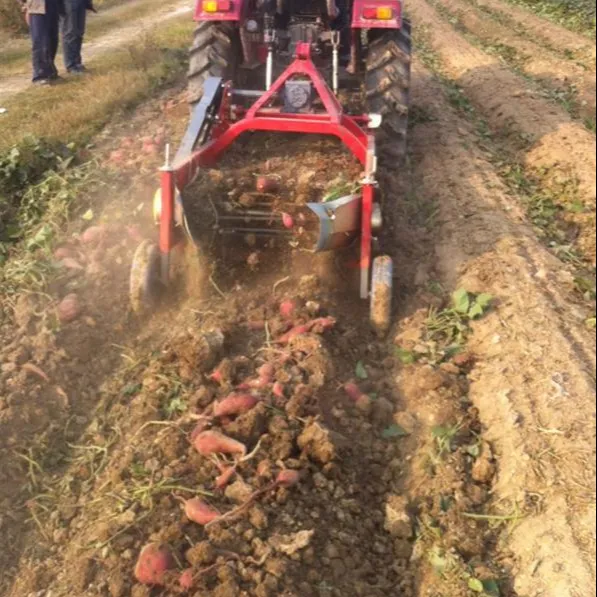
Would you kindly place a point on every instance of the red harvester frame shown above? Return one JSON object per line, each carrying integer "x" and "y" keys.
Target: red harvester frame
{"x": 261, "y": 117}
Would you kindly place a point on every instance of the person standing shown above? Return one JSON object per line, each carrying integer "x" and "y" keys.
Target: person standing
{"x": 74, "y": 21}
{"x": 43, "y": 18}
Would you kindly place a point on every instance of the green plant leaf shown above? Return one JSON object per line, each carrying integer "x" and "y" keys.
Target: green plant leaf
{"x": 445, "y": 503}
{"x": 440, "y": 431}
{"x": 592, "y": 323}
{"x": 361, "y": 372}
{"x": 476, "y": 311}
{"x": 491, "y": 588}
{"x": 88, "y": 215}
{"x": 406, "y": 356}
{"x": 461, "y": 301}
{"x": 484, "y": 300}
{"x": 394, "y": 431}
{"x": 474, "y": 584}
{"x": 438, "y": 561}
{"x": 474, "y": 450}
{"x": 132, "y": 389}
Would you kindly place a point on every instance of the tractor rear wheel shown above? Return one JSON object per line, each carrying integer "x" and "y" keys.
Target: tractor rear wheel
{"x": 214, "y": 53}
{"x": 387, "y": 83}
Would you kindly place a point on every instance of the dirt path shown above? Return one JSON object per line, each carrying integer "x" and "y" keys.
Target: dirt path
{"x": 538, "y": 62}
{"x": 115, "y": 38}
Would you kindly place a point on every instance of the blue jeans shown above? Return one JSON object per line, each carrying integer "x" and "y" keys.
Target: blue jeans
{"x": 73, "y": 31}
{"x": 44, "y": 38}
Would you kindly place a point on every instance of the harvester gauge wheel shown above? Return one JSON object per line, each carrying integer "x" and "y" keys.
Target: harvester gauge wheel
{"x": 145, "y": 280}
{"x": 381, "y": 294}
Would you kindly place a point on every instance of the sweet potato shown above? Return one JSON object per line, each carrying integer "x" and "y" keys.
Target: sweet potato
{"x": 72, "y": 264}
{"x": 201, "y": 426}
{"x": 266, "y": 371}
{"x": 288, "y": 309}
{"x": 288, "y": 478}
{"x": 296, "y": 331}
{"x": 93, "y": 235}
{"x": 153, "y": 563}
{"x": 322, "y": 324}
{"x": 225, "y": 477}
{"x": 318, "y": 326}
{"x": 213, "y": 442}
{"x": 198, "y": 511}
{"x": 64, "y": 253}
{"x": 187, "y": 579}
{"x": 69, "y": 308}
{"x": 267, "y": 184}
{"x": 278, "y": 390}
{"x": 235, "y": 404}
{"x": 353, "y": 391}
{"x": 287, "y": 221}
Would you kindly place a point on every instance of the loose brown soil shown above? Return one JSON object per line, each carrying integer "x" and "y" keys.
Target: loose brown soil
{"x": 448, "y": 471}
{"x": 534, "y": 131}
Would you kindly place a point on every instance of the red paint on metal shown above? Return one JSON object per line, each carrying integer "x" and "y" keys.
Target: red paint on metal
{"x": 228, "y": 10}
{"x": 303, "y": 65}
{"x": 366, "y": 238}
{"x": 364, "y": 7}
{"x": 347, "y": 131}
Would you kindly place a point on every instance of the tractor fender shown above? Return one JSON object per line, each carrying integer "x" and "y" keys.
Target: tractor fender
{"x": 377, "y": 14}
{"x": 220, "y": 10}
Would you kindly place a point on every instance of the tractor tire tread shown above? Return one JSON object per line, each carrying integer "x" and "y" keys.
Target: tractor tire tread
{"x": 212, "y": 54}
{"x": 387, "y": 87}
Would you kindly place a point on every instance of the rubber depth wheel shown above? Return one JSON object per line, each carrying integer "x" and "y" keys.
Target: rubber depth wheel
{"x": 387, "y": 83}
{"x": 381, "y": 295}
{"x": 214, "y": 53}
{"x": 145, "y": 281}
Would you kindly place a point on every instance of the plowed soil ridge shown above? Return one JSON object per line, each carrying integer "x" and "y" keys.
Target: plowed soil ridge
{"x": 540, "y": 63}
{"x": 525, "y": 376}
{"x": 542, "y": 29}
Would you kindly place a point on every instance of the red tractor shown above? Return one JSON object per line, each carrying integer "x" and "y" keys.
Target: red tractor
{"x": 280, "y": 66}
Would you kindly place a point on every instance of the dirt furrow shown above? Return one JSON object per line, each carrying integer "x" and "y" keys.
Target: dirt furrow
{"x": 533, "y": 358}
{"x": 557, "y": 149}
{"x": 542, "y": 29}
{"x": 539, "y": 63}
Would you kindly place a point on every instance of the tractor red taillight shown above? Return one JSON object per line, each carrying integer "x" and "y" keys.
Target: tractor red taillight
{"x": 212, "y": 6}
{"x": 378, "y": 13}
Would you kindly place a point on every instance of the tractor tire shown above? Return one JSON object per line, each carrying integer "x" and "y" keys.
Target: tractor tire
{"x": 387, "y": 85}
{"x": 214, "y": 53}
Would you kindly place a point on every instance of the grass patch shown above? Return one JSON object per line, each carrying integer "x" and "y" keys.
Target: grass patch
{"x": 576, "y": 15}
{"x": 75, "y": 110}
{"x": 566, "y": 97}
{"x": 520, "y": 30}
{"x": 11, "y": 17}
{"x": 40, "y": 180}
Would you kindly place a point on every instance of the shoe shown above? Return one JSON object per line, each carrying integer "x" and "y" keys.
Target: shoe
{"x": 79, "y": 70}
{"x": 41, "y": 82}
